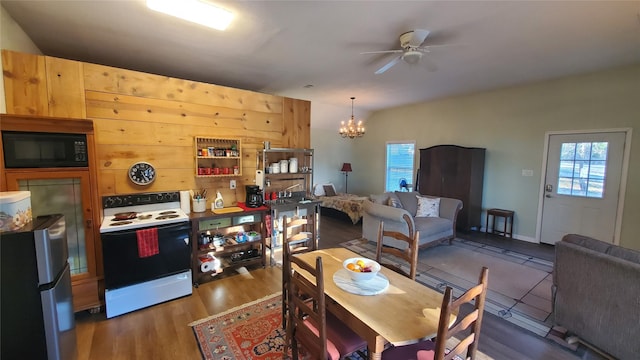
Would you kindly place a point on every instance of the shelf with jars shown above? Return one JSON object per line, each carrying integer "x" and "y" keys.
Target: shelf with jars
{"x": 286, "y": 170}
{"x": 217, "y": 157}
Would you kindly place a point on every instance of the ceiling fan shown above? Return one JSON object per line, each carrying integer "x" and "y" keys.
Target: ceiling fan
{"x": 412, "y": 46}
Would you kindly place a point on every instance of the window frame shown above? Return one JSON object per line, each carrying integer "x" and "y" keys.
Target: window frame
{"x": 386, "y": 163}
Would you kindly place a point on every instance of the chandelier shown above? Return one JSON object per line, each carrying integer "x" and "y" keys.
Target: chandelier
{"x": 351, "y": 129}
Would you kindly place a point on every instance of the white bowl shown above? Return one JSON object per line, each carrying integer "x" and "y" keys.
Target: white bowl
{"x": 362, "y": 276}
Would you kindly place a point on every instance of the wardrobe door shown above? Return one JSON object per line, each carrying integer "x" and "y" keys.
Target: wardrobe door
{"x": 431, "y": 178}
{"x": 476, "y": 183}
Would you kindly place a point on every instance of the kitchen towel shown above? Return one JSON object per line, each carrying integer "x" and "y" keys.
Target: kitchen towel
{"x": 147, "y": 242}
{"x": 185, "y": 201}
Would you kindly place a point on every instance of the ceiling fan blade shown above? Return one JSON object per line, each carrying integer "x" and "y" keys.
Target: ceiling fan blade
{"x": 425, "y": 48}
{"x": 418, "y": 37}
{"x": 389, "y": 65}
{"x": 381, "y": 52}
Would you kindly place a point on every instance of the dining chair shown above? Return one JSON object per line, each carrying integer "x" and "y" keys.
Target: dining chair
{"x": 408, "y": 254}
{"x": 322, "y": 335}
{"x": 299, "y": 235}
{"x": 466, "y": 347}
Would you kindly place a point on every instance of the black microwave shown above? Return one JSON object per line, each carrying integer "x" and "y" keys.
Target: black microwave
{"x": 24, "y": 149}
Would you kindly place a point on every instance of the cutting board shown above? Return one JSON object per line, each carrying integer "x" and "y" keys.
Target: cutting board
{"x": 227, "y": 210}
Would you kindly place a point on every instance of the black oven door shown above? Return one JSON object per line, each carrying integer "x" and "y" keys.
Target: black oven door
{"x": 123, "y": 266}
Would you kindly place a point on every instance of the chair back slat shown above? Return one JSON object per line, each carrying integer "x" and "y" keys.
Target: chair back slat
{"x": 409, "y": 254}
{"x": 468, "y": 295}
{"x": 460, "y": 347}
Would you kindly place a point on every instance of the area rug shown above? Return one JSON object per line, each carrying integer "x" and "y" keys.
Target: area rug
{"x": 519, "y": 285}
{"x": 252, "y": 331}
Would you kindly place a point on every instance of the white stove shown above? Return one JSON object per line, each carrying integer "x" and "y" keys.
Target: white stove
{"x": 143, "y": 269}
{"x": 135, "y": 211}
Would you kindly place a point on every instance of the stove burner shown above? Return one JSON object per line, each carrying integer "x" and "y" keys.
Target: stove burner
{"x": 163, "y": 217}
{"x": 167, "y": 212}
{"x": 145, "y": 217}
{"x": 124, "y": 216}
{"x": 120, "y": 223}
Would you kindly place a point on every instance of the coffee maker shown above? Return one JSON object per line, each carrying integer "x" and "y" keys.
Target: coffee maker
{"x": 254, "y": 196}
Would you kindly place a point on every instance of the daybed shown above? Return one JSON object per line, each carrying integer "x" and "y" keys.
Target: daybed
{"x": 349, "y": 204}
{"x": 596, "y": 295}
{"x": 398, "y": 212}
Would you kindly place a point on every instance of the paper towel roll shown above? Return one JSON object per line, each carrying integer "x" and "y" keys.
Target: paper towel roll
{"x": 185, "y": 201}
{"x": 259, "y": 178}
{"x": 206, "y": 266}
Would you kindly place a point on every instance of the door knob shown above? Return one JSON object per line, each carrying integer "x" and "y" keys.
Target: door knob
{"x": 549, "y": 196}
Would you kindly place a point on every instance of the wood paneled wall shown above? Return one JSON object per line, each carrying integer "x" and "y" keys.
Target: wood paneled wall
{"x": 146, "y": 117}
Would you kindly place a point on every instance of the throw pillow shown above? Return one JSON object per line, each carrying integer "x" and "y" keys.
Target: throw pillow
{"x": 428, "y": 207}
{"x": 394, "y": 201}
{"x": 329, "y": 190}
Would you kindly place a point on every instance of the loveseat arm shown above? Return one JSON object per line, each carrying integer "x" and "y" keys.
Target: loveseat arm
{"x": 449, "y": 209}
{"x": 394, "y": 219}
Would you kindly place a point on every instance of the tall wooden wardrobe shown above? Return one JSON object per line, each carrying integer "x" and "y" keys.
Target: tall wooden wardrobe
{"x": 455, "y": 172}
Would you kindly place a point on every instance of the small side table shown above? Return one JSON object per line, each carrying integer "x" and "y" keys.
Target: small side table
{"x": 508, "y": 217}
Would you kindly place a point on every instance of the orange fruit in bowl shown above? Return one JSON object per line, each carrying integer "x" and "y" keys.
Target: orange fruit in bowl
{"x": 351, "y": 267}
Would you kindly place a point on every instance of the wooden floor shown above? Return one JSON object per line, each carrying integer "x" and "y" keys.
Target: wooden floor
{"x": 162, "y": 331}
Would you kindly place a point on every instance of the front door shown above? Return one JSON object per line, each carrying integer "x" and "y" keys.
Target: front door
{"x": 582, "y": 185}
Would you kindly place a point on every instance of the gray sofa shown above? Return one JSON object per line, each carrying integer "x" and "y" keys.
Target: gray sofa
{"x": 433, "y": 230}
{"x": 596, "y": 294}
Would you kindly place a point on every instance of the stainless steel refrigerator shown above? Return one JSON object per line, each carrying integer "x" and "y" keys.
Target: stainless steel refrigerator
{"x": 36, "y": 305}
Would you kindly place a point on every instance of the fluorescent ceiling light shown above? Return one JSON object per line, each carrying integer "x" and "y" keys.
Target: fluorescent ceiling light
{"x": 196, "y": 11}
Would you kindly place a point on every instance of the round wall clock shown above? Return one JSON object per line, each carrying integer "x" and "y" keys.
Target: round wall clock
{"x": 142, "y": 173}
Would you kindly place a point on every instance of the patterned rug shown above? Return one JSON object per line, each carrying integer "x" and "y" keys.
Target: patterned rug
{"x": 519, "y": 285}
{"x": 252, "y": 331}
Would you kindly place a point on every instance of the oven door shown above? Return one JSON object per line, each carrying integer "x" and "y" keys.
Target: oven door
{"x": 123, "y": 266}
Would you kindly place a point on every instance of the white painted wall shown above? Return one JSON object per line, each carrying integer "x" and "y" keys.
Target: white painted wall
{"x": 511, "y": 124}
{"x": 330, "y": 150}
{"x": 12, "y": 37}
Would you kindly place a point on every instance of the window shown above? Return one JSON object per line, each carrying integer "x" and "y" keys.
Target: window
{"x": 399, "y": 165}
{"x": 582, "y": 169}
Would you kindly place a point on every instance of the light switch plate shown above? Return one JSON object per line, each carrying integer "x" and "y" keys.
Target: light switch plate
{"x": 232, "y": 184}
{"x": 527, "y": 172}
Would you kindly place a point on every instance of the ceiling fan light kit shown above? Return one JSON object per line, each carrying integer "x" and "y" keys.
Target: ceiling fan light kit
{"x": 351, "y": 129}
{"x": 412, "y": 57}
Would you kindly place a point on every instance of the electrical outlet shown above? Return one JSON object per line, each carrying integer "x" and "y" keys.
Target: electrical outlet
{"x": 527, "y": 172}
{"x": 232, "y": 184}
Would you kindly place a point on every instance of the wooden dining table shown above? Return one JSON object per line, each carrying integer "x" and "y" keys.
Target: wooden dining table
{"x": 405, "y": 313}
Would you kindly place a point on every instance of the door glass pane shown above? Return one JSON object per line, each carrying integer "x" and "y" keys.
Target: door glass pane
{"x": 62, "y": 196}
{"x": 568, "y": 151}
{"x": 582, "y": 169}
{"x": 564, "y": 186}
{"x": 583, "y": 151}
